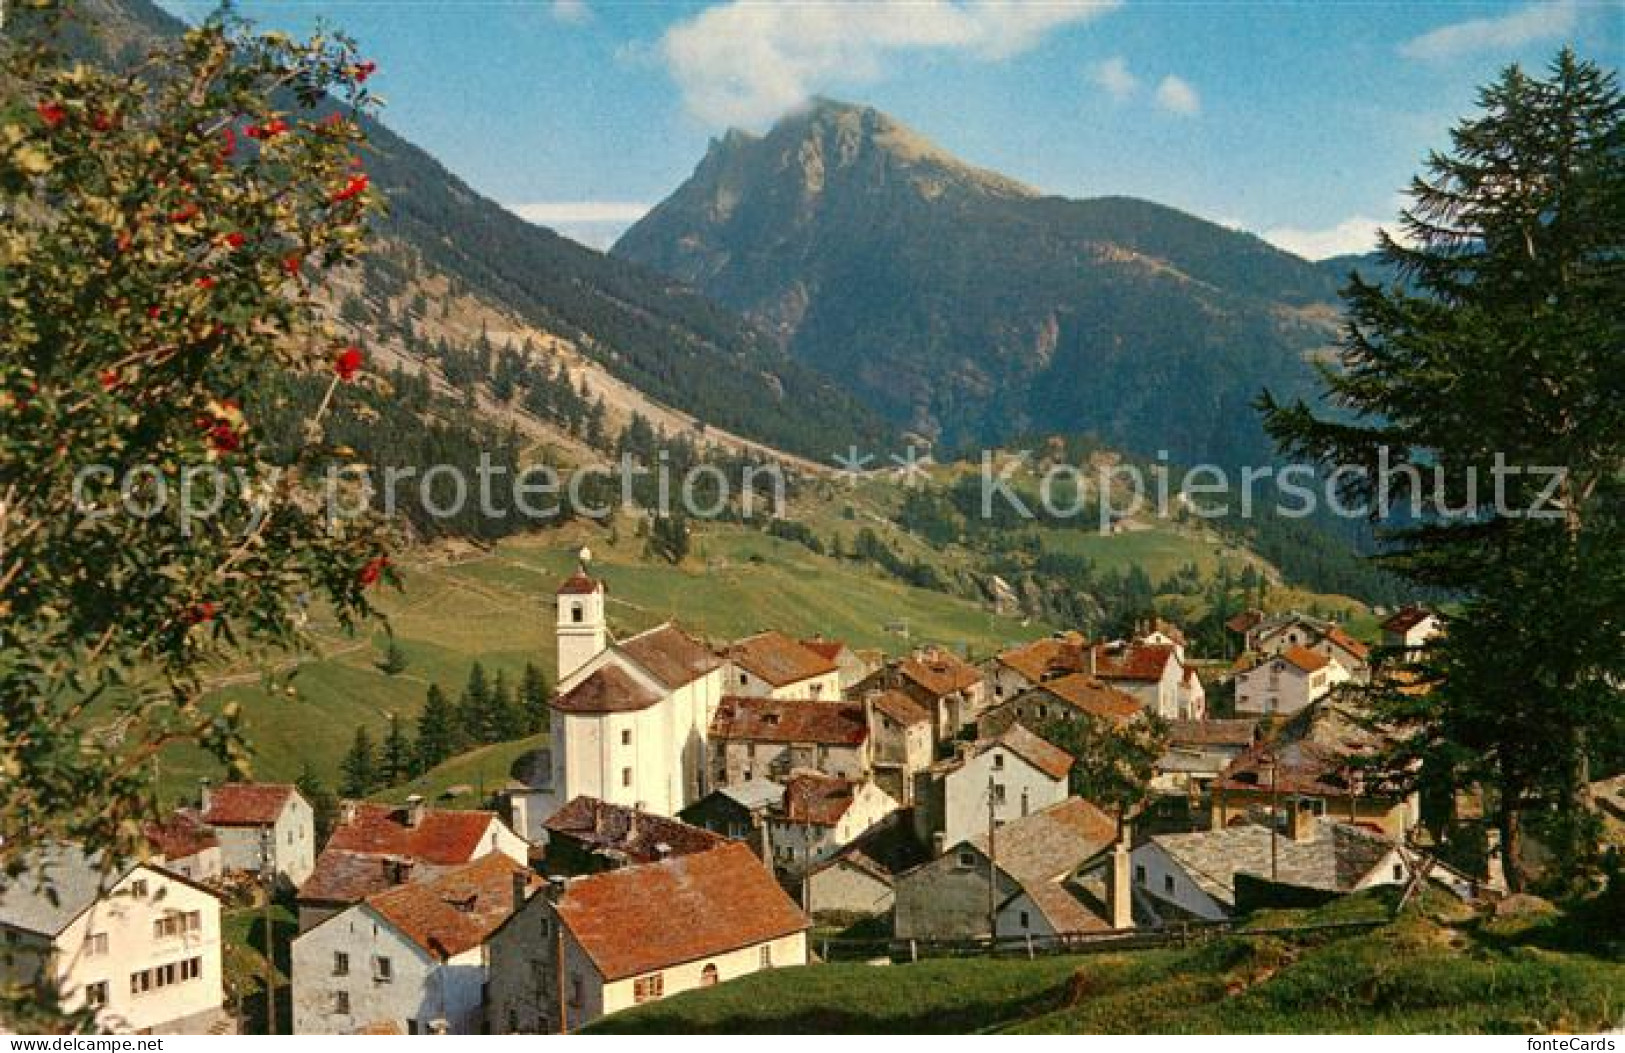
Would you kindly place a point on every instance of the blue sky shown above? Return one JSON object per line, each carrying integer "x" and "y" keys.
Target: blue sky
{"x": 1298, "y": 120}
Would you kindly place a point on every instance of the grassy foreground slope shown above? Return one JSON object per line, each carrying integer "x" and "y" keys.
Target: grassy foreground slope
{"x": 1428, "y": 971}
{"x": 495, "y": 607}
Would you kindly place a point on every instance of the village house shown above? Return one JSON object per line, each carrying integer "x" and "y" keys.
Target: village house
{"x": 183, "y": 845}
{"x": 256, "y": 822}
{"x": 412, "y": 957}
{"x": 1286, "y": 682}
{"x": 1410, "y": 628}
{"x": 738, "y": 812}
{"x": 860, "y": 880}
{"x": 588, "y": 835}
{"x": 818, "y": 816}
{"x": 1022, "y": 773}
{"x": 629, "y": 718}
{"x": 1020, "y": 669}
{"x": 137, "y": 944}
{"x": 1154, "y": 675}
{"x": 1198, "y": 752}
{"x": 1197, "y": 875}
{"x": 1060, "y": 871}
{"x": 1315, "y": 756}
{"x": 851, "y": 666}
{"x": 773, "y": 665}
{"x": 375, "y": 847}
{"x": 754, "y": 737}
{"x": 1074, "y": 696}
{"x": 1346, "y": 651}
{"x": 901, "y": 742}
{"x": 1277, "y": 632}
{"x": 598, "y": 944}
{"x": 951, "y": 689}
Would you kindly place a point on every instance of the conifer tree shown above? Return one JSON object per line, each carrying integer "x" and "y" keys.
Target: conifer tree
{"x": 1501, "y": 348}
{"x": 359, "y": 770}
{"x": 396, "y": 759}
{"x": 533, "y": 699}
{"x": 437, "y": 729}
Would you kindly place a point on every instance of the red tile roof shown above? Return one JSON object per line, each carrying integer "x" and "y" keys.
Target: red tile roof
{"x": 608, "y": 689}
{"x": 179, "y": 835}
{"x": 1244, "y": 621}
{"x": 830, "y": 649}
{"x": 1348, "y": 643}
{"x": 579, "y": 584}
{"x": 630, "y": 835}
{"x": 816, "y": 799}
{"x": 1406, "y": 618}
{"x": 643, "y": 919}
{"x": 1132, "y": 661}
{"x": 1305, "y": 659}
{"x": 455, "y": 911}
{"x": 778, "y": 659}
{"x": 671, "y": 656}
{"x": 1049, "y": 657}
{"x": 1094, "y": 697}
{"x": 247, "y": 803}
{"x": 939, "y": 672}
{"x": 790, "y": 721}
{"x": 441, "y": 837}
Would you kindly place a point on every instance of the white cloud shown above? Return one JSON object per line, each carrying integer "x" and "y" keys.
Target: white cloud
{"x": 1355, "y": 234}
{"x": 1540, "y": 20}
{"x": 1175, "y": 95}
{"x": 573, "y": 12}
{"x": 1114, "y": 77}
{"x": 743, "y": 62}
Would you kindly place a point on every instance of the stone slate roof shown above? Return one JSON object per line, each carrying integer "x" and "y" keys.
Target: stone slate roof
{"x": 1212, "y": 732}
{"x": 670, "y": 655}
{"x": 778, "y": 659}
{"x": 816, "y": 799}
{"x": 57, "y": 884}
{"x": 627, "y": 834}
{"x": 1336, "y": 859}
{"x": 1048, "y": 758}
{"x": 642, "y": 919}
{"x": 456, "y": 910}
{"x": 378, "y": 850}
{"x": 754, "y": 795}
{"x": 608, "y": 689}
{"x": 899, "y": 707}
{"x": 883, "y": 851}
{"x": 1040, "y": 852}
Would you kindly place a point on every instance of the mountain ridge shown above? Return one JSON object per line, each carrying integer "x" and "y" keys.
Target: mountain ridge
{"x": 967, "y": 306}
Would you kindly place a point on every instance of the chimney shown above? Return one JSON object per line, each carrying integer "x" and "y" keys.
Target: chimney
{"x": 521, "y": 885}
{"x": 347, "y": 813}
{"x": 414, "y": 810}
{"x": 204, "y": 794}
{"x": 1119, "y": 886}
{"x": 1300, "y": 820}
{"x": 662, "y": 851}
{"x": 1092, "y": 661}
{"x": 556, "y": 887}
{"x": 939, "y": 844}
{"x": 632, "y": 826}
{"x": 597, "y": 817}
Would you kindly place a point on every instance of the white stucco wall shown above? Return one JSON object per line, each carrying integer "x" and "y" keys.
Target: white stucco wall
{"x": 421, "y": 989}
{"x": 965, "y": 793}
{"x": 127, "y": 921}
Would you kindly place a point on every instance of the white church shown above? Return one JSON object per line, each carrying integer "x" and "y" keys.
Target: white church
{"x": 629, "y": 718}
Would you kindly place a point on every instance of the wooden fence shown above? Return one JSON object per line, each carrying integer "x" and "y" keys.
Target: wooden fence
{"x": 838, "y": 949}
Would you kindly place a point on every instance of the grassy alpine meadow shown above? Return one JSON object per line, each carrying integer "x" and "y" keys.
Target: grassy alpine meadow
{"x": 459, "y": 605}
{"x": 1434, "y": 968}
